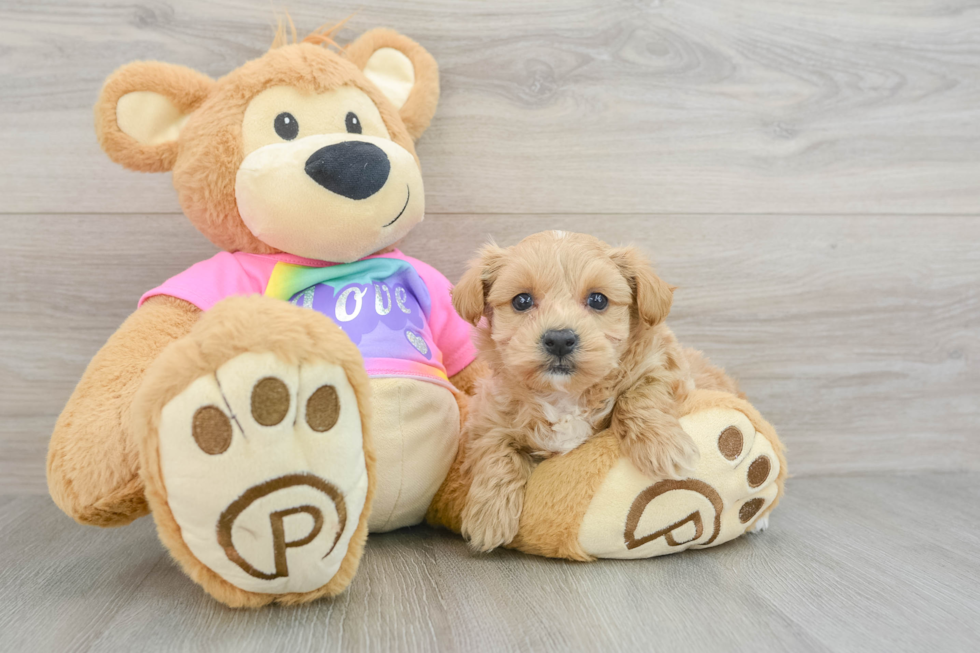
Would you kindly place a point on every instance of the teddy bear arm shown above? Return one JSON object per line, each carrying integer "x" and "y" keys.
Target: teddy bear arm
{"x": 93, "y": 468}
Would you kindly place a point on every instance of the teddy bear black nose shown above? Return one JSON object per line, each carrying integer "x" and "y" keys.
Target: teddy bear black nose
{"x": 354, "y": 169}
{"x": 559, "y": 342}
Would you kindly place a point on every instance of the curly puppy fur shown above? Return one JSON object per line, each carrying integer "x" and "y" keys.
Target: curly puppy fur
{"x": 625, "y": 370}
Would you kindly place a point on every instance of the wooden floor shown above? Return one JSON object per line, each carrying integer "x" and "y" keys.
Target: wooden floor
{"x": 808, "y": 174}
{"x": 869, "y": 563}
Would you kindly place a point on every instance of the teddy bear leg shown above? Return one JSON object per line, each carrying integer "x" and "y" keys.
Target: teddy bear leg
{"x": 732, "y": 489}
{"x": 256, "y": 455}
{"x": 555, "y": 500}
{"x": 93, "y": 463}
{"x": 592, "y": 503}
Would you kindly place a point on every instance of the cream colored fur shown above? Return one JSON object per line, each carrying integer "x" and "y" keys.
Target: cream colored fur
{"x": 629, "y": 373}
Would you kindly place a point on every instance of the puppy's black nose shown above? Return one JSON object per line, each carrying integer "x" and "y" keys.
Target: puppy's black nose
{"x": 354, "y": 169}
{"x": 559, "y": 342}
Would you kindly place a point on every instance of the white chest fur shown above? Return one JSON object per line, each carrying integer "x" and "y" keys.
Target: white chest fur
{"x": 566, "y": 424}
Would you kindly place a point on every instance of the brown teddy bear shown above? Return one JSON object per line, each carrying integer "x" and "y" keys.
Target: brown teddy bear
{"x": 267, "y": 438}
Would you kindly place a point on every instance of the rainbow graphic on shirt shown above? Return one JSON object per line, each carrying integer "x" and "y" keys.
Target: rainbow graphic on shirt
{"x": 382, "y": 305}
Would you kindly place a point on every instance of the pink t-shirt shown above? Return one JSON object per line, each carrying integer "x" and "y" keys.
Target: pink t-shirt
{"x": 397, "y": 309}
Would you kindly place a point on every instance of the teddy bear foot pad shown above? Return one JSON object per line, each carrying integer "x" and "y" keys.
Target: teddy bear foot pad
{"x": 730, "y": 490}
{"x": 264, "y": 470}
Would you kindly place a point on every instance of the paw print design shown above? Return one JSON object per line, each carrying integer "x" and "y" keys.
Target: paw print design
{"x": 633, "y": 516}
{"x": 264, "y": 469}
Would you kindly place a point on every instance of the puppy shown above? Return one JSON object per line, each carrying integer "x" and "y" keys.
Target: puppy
{"x": 573, "y": 333}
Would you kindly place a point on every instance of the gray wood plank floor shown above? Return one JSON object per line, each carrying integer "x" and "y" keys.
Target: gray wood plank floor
{"x": 872, "y": 563}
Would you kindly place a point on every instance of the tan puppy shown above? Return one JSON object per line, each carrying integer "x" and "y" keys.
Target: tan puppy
{"x": 575, "y": 340}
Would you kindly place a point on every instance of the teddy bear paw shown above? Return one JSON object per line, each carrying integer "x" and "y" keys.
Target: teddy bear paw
{"x": 731, "y": 485}
{"x": 264, "y": 470}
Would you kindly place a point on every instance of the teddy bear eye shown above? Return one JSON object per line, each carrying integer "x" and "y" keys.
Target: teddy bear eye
{"x": 286, "y": 126}
{"x": 353, "y": 123}
{"x": 597, "y": 301}
{"x": 522, "y": 302}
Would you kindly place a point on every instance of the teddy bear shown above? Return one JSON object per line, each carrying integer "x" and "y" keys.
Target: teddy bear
{"x": 273, "y": 404}
{"x": 265, "y": 437}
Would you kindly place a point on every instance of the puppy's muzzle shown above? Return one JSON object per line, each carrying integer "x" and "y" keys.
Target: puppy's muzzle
{"x": 559, "y": 343}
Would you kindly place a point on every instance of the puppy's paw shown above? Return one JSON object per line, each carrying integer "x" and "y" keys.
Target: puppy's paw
{"x": 492, "y": 521}
{"x": 760, "y": 525}
{"x": 664, "y": 455}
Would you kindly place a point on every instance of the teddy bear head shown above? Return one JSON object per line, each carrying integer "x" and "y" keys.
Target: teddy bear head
{"x": 305, "y": 150}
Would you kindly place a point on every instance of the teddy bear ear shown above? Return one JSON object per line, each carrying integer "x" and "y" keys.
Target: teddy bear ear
{"x": 141, "y": 110}
{"x": 401, "y": 69}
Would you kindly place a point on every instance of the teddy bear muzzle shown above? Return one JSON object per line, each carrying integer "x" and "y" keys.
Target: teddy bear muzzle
{"x": 330, "y": 197}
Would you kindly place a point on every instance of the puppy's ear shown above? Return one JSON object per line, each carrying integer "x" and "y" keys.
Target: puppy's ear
{"x": 141, "y": 110}
{"x": 652, "y": 297}
{"x": 403, "y": 70}
{"x": 470, "y": 294}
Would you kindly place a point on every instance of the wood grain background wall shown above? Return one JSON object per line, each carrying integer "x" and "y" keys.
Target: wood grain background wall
{"x": 808, "y": 173}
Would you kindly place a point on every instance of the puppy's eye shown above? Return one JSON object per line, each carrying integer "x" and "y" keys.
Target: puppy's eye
{"x": 353, "y": 123}
{"x": 597, "y": 301}
{"x": 286, "y": 126}
{"x": 522, "y": 302}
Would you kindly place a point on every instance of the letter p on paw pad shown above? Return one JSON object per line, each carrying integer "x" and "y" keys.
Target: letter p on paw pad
{"x": 263, "y": 477}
